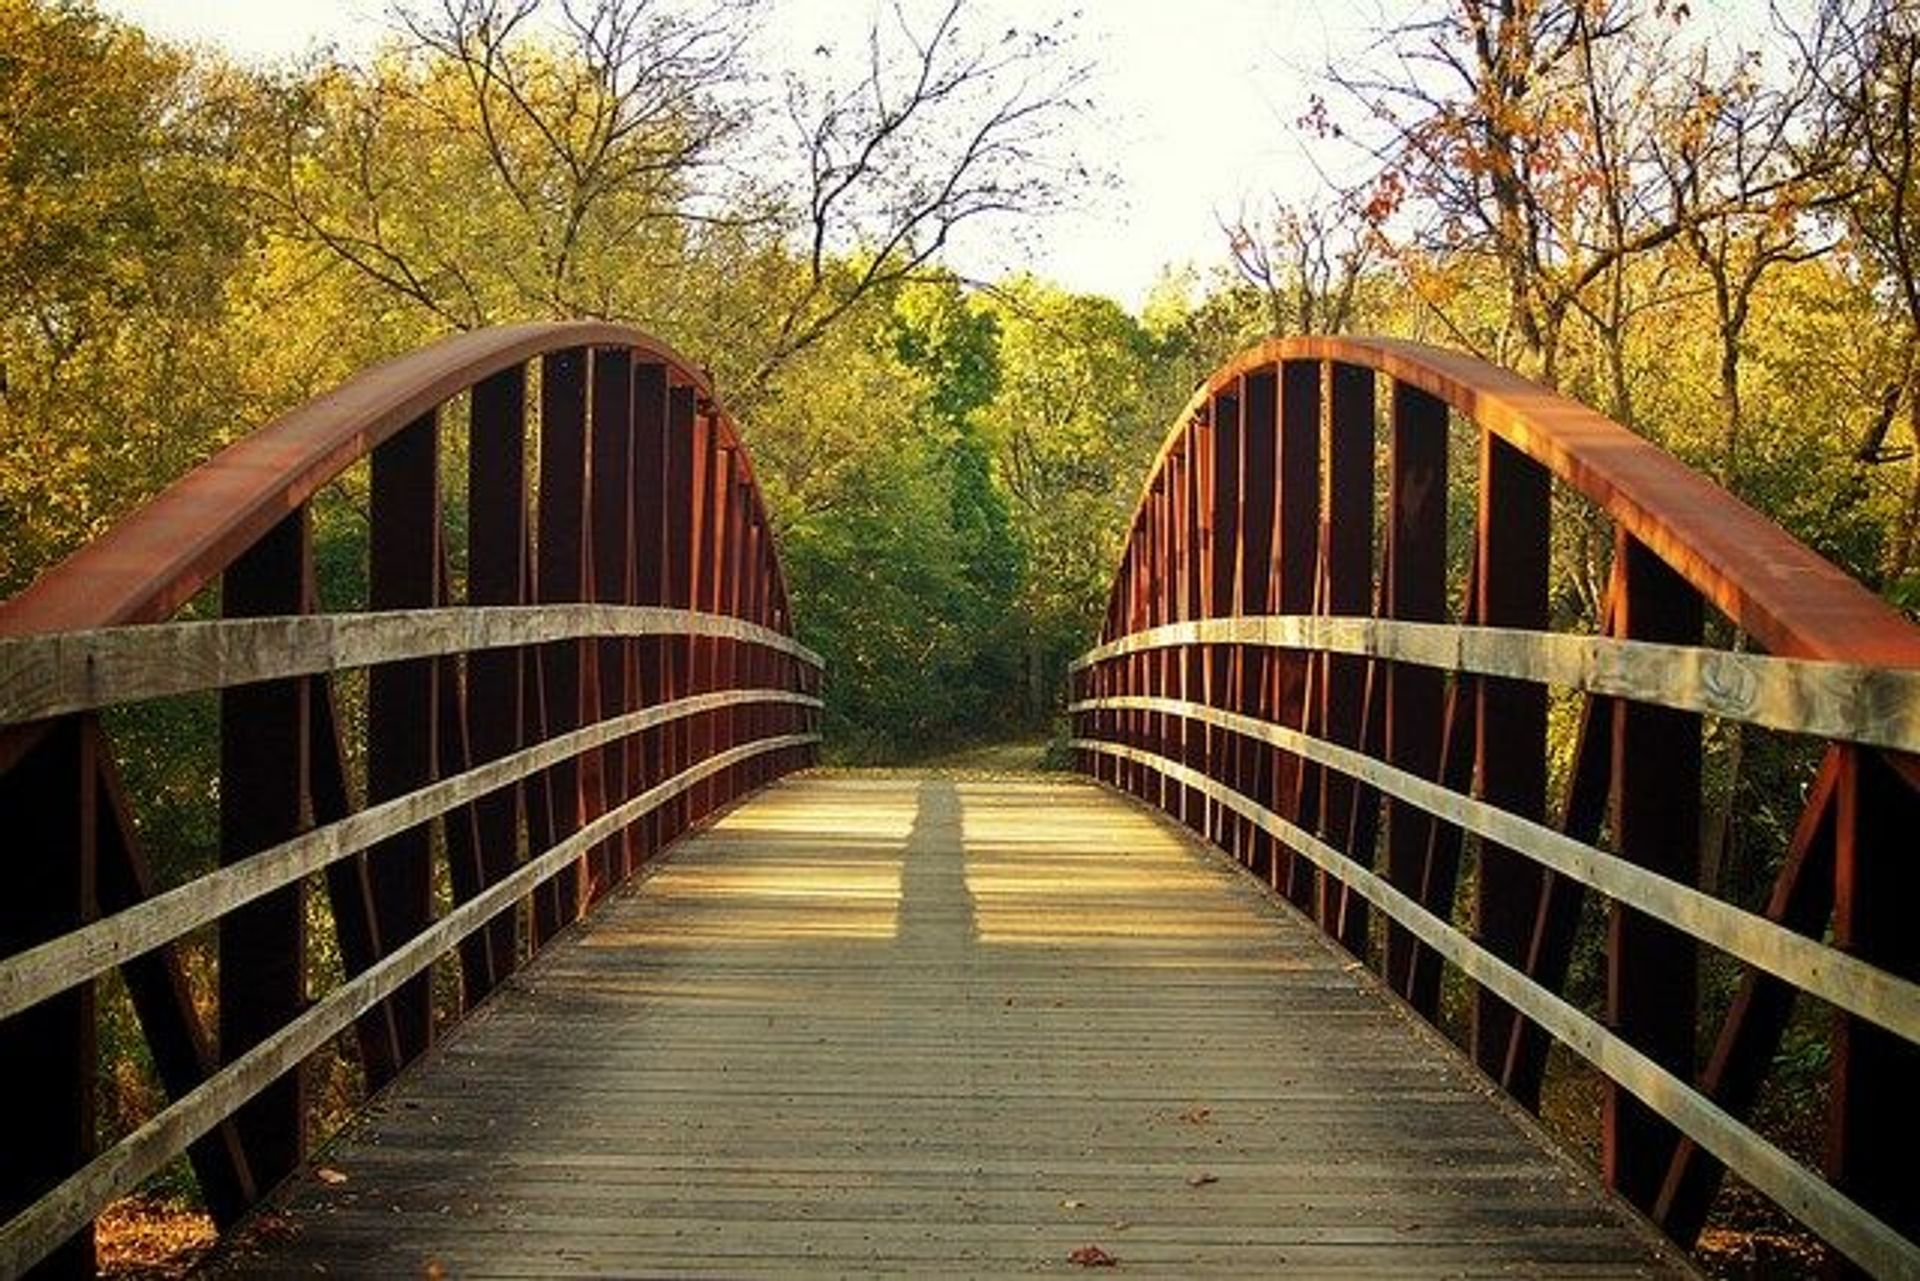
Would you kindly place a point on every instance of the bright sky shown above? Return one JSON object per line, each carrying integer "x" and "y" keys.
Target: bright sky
{"x": 1198, "y": 100}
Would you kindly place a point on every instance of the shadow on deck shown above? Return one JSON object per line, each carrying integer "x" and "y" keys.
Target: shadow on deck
{"x": 920, "y": 1026}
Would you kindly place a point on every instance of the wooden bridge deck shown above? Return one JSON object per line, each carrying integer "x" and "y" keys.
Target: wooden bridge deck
{"x": 920, "y": 1025}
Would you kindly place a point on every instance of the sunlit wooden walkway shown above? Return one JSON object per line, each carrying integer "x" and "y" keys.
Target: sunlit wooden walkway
{"x": 918, "y": 1026}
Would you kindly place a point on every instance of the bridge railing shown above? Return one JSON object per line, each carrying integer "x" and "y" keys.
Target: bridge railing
{"x": 1386, "y": 767}
{"x": 594, "y": 659}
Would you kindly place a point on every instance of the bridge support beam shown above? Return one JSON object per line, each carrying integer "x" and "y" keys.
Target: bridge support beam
{"x": 1510, "y": 742}
{"x": 497, "y": 575}
{"x": 403, "y": 719}
{"x": 1254, "y": 579}
{"x": 1651, "y": 967}
{"x": 1416, "y": 587}
{"x": 563, "y": 518}
{"x": 1873, "y": 1128}
{"x": 49, "y": 808}
{"x": 1345, "y": 551}
{"x": 264, "y": 741}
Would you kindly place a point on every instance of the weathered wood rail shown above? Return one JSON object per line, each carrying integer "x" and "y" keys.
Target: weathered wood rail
{"x": 1333, "y": 728}
{"x": 604, "y": 661}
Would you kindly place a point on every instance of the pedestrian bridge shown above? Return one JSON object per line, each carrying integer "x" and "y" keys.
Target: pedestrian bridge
{"x": 635, "y": 988}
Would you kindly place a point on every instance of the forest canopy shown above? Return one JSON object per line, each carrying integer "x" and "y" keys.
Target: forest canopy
{"x": 1716, "y": 245}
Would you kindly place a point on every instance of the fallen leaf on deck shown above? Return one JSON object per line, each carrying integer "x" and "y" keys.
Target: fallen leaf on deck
{"x": 272, "y": 1227}
{"x": 1201, "y": 1179}
{"x": 330, "y": 1176}
{"x": 1091, "y": 1256}
{"x": 1196, "y": 1116}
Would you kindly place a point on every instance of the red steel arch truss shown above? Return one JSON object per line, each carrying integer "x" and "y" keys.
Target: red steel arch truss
{"x": 1281, "y": 668}
{"x": 601, "y": 658}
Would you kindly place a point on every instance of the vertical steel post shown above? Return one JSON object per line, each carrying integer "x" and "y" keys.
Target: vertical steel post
{"x": 403, "y": 570}
{"x": 679, "y": 488}
{"x": 1873, "y": 1123}
{"x": 263, "y": 790}
{"x": 564, "y": 521}
{"x": 612, "y": 548}
{"x": 49, "y": 809}
{"x": 1222, "y": 535}
{"x": 1415, "y": 590}
{"x": 1346, "y": 570}
{"x": 1259, "y": 496}
{"x": 497, "y": 575}
{"x": 650, "y": 548}
{"x": 1651, "y": 976}
{"x": 1510, "y": 742}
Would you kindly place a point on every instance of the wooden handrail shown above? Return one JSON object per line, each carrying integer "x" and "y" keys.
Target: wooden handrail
{"x": 29, "y": 977}
{"x": 1306, "y": 699}
{"x": 1865, "y": 1238}
{"x": 28, "y": 1236}
{"x": 63, "y": 672}
{"x": 621, "y": 668}
{"x": 1849, "y": 702}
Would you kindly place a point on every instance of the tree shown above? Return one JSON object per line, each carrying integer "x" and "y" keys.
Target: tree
{"x": 118, "y": 241}
{"x": 508, "y": 159}
{"x": 1867, "y": 56}
{"x": 1072, "y": 430}
{"x": 1743, "y": 173}
{"x": 1309, "y": 260}
{"x": 1518, "y": 134}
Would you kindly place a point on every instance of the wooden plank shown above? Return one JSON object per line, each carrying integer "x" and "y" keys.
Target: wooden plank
{"x": 1857, "y": 1232}
{"x": 896, "y": 1025}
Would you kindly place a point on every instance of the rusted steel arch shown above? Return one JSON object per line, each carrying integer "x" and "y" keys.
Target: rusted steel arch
{"x": 1786, "y": 596}
{"x": 149, "y": 564}
{"x": 621, "y": 667}
{"x": 1263, "y": 675}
